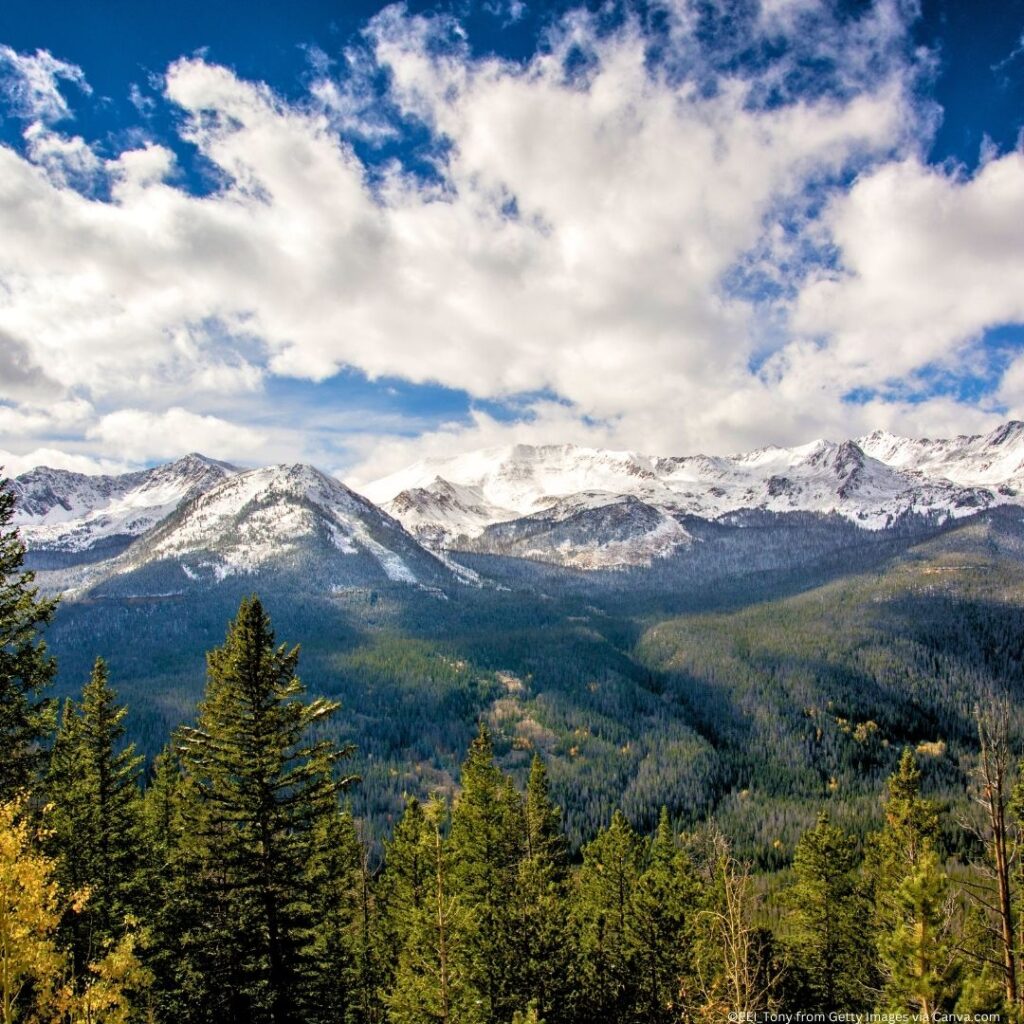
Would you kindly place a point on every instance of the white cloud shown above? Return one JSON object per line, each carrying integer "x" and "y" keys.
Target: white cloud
{"x": 136, "y": 435}
{"x": 27, "y": 420}
{"x": 12, "y": 464}
{"x": 930, "y": 258}
{"x": 30, "y": 84}
{"x": 578, "y": 241}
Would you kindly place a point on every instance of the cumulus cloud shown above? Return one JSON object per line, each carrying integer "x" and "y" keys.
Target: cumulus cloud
{"x": 53, "y": 419}
{"x": 930, "y": 258}
{"x": 587, "y": 216}
{"x": 30, "y": 84}
{"x": 138, "y": 434}
{"x": 12, "y": 464}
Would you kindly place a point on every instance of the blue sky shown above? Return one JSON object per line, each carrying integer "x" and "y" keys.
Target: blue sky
{"x": 357, "y": 235}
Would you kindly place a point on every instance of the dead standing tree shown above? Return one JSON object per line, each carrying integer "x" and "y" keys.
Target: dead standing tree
{"x": 734, "y": 972}
{"x": 998, "y": 834}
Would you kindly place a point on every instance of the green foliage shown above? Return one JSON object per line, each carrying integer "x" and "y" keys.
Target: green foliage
{"x": 662, "y": 927}
{"x": 95, "y": 825}
{"x": 255, "y": 804}
{"x": 432, "y": 982}
{"x": 542, "y": 956}
{"x": 913, "y": 912}
{"x": 25, "y": 667}
{"x": 829, "y": 909}
{"x": 486, "y": 840}
{"x": 602, "y": 919}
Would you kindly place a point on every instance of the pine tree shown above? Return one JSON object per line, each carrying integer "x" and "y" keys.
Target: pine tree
{"x": 542, "y": 957}
{"x": 341, "y": 960}
{"x": 912, "y": 912}
{"x": 433, "y": 983}
{"x": 93, "y": 786}
{"x": 405, "y": 885}
{"x": 828, "y": 913}
{"x": 175, "y": 909}
{"x": 544, "y": 837}
{"x": 916, "y": 950}
{"x": 258, "y": 793}
{"x": 486, "y": 846}
{"x": 605, "y": 982}
{"x": 25, "y": 668}
{"x": 660, "y": 928}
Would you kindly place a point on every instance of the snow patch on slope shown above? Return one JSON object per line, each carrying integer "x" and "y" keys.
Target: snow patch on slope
{"x": 454, "y": 502}
{"x": 58, "y": 510}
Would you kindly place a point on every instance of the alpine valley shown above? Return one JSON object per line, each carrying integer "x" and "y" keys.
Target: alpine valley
{"x": 742, "y": 636}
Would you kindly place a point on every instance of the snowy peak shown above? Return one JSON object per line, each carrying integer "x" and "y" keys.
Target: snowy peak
{"x": 594, "y": 530}
{"x": 442, "y": 513}
{"x": 873, "y": 481}
{"x": 291, "y": 518}
{"x": 993, "y": 460}
{"x": 523, "y": 478}
{"x": 59, "y": 510}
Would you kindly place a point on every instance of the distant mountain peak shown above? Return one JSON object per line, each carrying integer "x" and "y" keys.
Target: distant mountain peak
{"x": 873, "y": 481}
{"x": 569, "y": 504}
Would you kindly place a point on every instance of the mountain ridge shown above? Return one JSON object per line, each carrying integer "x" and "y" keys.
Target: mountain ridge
{"x": 570, "y": 505}
{"x": 874, "y": 481}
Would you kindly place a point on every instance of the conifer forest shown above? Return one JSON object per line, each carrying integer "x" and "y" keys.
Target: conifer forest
{"x": 512, "y": 512}
{"x": 805, "y": 857}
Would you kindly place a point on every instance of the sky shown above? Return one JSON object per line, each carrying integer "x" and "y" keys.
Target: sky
{"x": 357, "y": 235}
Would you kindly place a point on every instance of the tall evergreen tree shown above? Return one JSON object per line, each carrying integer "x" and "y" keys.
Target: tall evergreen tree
{"x": 912, "y": 913}
{"x": 93, "y": 786}
{"x": 25, "y": 667}
{"x": 605, "y": 977}
{"x": 341, "y": 962}
{"x": 433, "y": 981}
{"x": 544, "y": 837}
{"x": 661, "y": 928}
{"x": 542, "y": 952}
{"x": 176, "y": 910}
{"x": 405, "y": 885}
{"x": 829, "y": 911}
{"x": 486, "y": 846}
{"x": 259, "y": 793}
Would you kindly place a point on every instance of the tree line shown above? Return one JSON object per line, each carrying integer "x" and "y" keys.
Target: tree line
{"x": 231, "y": 883}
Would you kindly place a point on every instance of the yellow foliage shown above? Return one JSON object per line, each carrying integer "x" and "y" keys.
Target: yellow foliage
{"x": 31, "y": 964}
{"x": 36, "y": 982}
{"x": 102, "y": 997}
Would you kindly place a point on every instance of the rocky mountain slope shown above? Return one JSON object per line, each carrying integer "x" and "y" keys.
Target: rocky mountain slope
{"x": 294, "y": 523}
{"x": 547, "y": 501}
{"x": 580, "y": 508}
{"x": 95, "y": 516}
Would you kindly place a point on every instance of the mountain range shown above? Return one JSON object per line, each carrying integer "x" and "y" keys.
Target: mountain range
{"x": 200, "y": 520}
{"x": 740, "y": 634}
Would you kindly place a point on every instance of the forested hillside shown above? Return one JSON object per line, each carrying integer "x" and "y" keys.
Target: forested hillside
{"x": 829, "y": 649}
{"x": 809, "y": 802}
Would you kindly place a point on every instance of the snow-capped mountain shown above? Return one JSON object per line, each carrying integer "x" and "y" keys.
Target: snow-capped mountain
{"x": 521, "y": 479}
{"x": 199, "y": 520}
{"x": 443, "y": 511}
{"x": 526, "y": 499}
{"x": 994, "y": 460}
{"x": 196, "y": 521}
{"x": 292, "y": 519}
{"x": 69, "y": 512}
{"x": 588, "y": 531}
